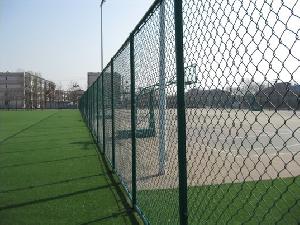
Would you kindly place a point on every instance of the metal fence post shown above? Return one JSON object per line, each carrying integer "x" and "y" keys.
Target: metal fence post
{"x": 112, "y": 116}
{"x": 97, "y": 114}
{"x": 183, "y": 213}
{"x": 162, "y": 90}
{"x": 93, "y": 109}
{"x": 103, "y": 112}
{"x": 88, "y": 107}
{"x": 133, "y": 116}
{"x": 90, "y": 102}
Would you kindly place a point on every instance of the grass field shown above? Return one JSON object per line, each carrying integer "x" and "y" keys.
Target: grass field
{"x": 260, "y": 202}
{"x": 51, "y": 173}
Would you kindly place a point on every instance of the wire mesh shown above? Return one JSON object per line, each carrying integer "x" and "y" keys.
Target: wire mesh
{"x": 242, "y": 119}
{"x": 122, "y": 106}
{"x": 156, "y": 122}
{"x": 242, "y": 97}
{"x": 94, "y": 113}
{"x": 100, "y": 113}
{"x": 107, "y": 112}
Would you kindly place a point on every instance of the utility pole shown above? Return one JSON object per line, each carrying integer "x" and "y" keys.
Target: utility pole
{"x": 101, "y": 36}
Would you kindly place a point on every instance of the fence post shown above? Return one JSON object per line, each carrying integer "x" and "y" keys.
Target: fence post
{"x": 183, "y": 213}
{"x": 162, "y": 90}
{"x": 87, "y": 109}
{"x": 103, "y": 113}
{"x": 93, "y": 109}
{"x": 88, "y": 106}
{"x": 133, "y": 116}
{"x": 97, "y": 114}
{"x": 112, "y": 116}
{"x": 90, "y": 100}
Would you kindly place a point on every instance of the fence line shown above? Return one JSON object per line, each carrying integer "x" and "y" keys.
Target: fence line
{"x": 198, "y": 113}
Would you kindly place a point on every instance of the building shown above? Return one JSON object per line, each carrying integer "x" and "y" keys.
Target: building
{"x": 24, "y": 90}
{"x": 66, "y": 99}
{"x": 49, "y": 94}
{"x": 12, "y": 90}
{"x": 60, "y": 99}
{"x": 91, "y": 78}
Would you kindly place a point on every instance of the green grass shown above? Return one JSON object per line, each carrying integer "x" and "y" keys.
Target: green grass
{"x": 260, "y": 202}
{"x": 50, "y": 172}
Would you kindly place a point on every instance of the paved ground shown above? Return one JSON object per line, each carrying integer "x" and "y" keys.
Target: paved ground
{"x": 51, "y": 173}
{"x": 223, "y": 146}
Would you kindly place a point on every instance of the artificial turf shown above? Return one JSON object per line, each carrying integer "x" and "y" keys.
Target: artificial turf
{"x": 50, "y": 172}
{"x": 250, "y": 203}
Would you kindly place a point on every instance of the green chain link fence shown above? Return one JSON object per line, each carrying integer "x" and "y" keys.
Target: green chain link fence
{"x": 198, "y": 112}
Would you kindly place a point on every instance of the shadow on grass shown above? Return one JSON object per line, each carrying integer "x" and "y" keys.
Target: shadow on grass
{"x": 116, "y": 190}
{"x": 70, "y": 146}
{"x": 42, "y": 200}
{"x": 59, "y": 147}
{"x": 85, "y": 144}
{"x": 46, "y": 161}
{"x": 54, "y": 142}
{"x": 26, "y": 128}
{"x": 49, "y": 184}
{"x": 113, "y": 215}
{"x": 118, "y": 194}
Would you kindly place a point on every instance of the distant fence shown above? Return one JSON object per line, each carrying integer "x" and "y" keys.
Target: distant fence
{"x": 197, "y": 113}
{"x": 19, "y": 104}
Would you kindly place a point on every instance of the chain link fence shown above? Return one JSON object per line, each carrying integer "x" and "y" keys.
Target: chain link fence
{"x": 122, "y": 116}
{"x": 198, "y": 112}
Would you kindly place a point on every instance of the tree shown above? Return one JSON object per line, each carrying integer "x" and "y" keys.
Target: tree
{"x": 246, "y": 87}
{"x": 73, "y": 92}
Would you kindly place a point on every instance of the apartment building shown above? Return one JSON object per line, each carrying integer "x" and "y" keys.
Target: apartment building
{"x": 25, "y": 90}
{"x": 91, "y": 78}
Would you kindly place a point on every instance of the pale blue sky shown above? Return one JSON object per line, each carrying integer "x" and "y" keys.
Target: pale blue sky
{"x": 61, "y": 38}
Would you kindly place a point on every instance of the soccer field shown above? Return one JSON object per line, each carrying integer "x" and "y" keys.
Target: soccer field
{"x": 50, "y": 172}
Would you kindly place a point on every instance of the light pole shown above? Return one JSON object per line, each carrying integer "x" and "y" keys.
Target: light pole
{"x": 97, "y": 121}
{"x": 101, "y": 36}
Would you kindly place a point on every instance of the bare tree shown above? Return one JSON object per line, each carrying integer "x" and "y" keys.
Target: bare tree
{"x": 247, "y": 87}
{"x": 72, "y": 90}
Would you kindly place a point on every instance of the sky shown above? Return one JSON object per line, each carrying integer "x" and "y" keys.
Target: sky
{"x": 61, "y": 38}
{"x": 243, "y": 40}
